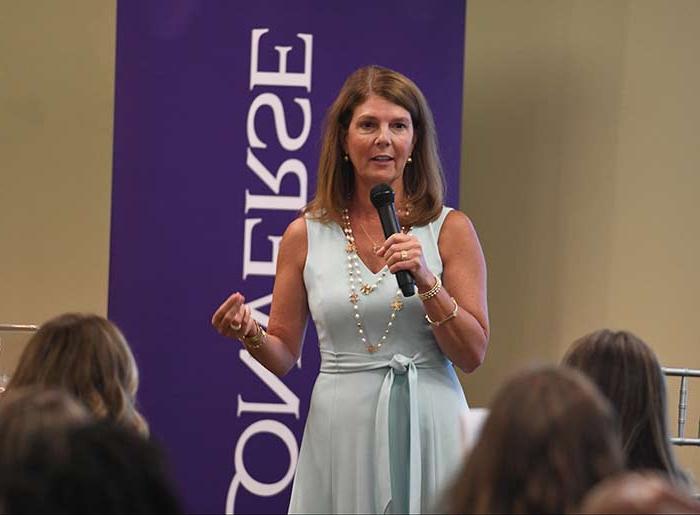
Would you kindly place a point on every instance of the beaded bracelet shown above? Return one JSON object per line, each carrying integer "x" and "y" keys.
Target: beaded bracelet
{"x": 447, "y": 318}
{"x": 256, "y": 341}
{"x": 432, "y": 291}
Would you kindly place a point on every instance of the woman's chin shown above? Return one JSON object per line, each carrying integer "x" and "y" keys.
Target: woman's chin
{"x": 378, "y": 176}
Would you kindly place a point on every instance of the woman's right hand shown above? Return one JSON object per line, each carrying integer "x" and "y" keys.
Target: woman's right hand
{"x": 279, "y": 348}
{"x": 233, "y": 319}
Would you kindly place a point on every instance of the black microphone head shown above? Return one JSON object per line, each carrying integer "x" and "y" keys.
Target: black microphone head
{"x": 381, "y": 195}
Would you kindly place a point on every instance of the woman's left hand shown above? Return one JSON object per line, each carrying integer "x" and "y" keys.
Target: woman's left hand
{"x": 404, "y": 252}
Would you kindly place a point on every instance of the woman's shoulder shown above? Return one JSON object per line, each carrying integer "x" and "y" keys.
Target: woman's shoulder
{"x": 457, "y": 231}
{"x": 451, "y": 220}
{"x": 296, "y": 230}
{"x": 294, "y": 243}
{"x": 456, "y": 220}
{"x": 454, "y": 226}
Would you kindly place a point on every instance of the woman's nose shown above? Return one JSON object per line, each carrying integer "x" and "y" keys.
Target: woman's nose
{"x": 383, "y": 136}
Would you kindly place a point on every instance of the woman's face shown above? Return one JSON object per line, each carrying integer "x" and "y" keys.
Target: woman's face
{"x": 379, "y": 141}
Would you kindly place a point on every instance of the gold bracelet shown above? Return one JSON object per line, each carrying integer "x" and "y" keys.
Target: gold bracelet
{"x": 256, "y": 341}
{"x": 446, "y": 319}
{"x": 432, "y": 291}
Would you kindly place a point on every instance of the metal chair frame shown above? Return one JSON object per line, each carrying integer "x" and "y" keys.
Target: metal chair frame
{"x": 684, "y": 374}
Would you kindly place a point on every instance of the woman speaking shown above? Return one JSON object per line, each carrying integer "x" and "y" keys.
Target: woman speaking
{"x": 383, "y": 433}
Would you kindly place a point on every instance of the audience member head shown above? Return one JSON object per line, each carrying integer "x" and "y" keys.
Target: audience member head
{"x": 87, "y": 356}
{"x": 626, "y": 371}
{"x": 28, "y": 412}
{"x": 638, "y": 493}
{"x": 99, "y": 467}
{"x": 549, "y": 437}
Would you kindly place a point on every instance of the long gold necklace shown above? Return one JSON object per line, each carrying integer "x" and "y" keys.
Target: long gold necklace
{"x": 356, "y": 281}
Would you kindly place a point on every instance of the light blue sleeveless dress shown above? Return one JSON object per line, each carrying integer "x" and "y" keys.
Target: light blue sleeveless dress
{"x": 383, "y": 433}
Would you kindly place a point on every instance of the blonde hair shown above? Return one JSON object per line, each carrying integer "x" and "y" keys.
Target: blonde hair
{"x": 423, "y": 180}
{"x": 87, "y": 356}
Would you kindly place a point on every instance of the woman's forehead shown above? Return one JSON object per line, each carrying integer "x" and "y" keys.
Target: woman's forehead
{"x": 376, "y": 105}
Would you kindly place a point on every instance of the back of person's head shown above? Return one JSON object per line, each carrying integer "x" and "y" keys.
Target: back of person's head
{"x": 87, "y": 356}
{"x": 28, "y": 412}
{"x": 627, "y": 372}
{"x": 549, "y": 437}
{"x": 95, "y": 468}
{"x": 28, "y": 416}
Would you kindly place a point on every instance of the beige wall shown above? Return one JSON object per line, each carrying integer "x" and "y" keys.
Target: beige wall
{"x": 581, "y": 171}
{"x": 56, "y": 109}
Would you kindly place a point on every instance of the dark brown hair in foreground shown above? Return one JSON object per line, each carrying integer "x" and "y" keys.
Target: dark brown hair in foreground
{"x": 98, "y": 467}
{"x": 549, "y": 437}
{"x": 28, "y": 412}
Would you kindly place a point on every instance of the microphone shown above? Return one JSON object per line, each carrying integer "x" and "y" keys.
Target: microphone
{"x": 382, "y": 197}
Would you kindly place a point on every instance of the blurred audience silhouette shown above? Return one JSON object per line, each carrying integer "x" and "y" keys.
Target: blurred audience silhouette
{"x": 549, "y": 437}
{"x": 555, "y": 439}
{"x": 88, "y": 356}
{"x": 55, "y": 459}
{"x": 28, "y": 412}
{"x": 627, "y": 372}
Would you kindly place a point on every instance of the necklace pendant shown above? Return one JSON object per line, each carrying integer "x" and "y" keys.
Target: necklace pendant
{"x": 397, "y": 305}
{"x": 367, "y": 288}
{"x": 372, "y": 348}
{"x": 354, "y": 297}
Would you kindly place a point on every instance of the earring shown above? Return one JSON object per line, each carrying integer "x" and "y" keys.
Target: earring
{"x": 346, "y": 158}
{"x": 409, "y": 160}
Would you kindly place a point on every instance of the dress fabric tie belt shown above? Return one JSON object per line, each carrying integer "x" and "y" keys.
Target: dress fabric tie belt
{"x": 399, "y": 364}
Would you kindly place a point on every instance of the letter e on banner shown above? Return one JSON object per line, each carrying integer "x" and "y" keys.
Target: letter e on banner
{"x": 280, "y": 77}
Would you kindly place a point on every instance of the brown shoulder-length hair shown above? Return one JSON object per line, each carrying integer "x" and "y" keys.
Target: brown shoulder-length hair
{"x": 628, "y": 373}
{"x": 88, "y": 356}
{"x": 549, "y": 437}
{"x": 423, "y": 179}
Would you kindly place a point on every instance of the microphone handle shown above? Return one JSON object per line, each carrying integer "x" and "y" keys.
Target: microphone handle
{"x": 390, "y": 225}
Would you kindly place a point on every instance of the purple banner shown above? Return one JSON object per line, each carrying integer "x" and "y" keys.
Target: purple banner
{"x": 218, "y": 113}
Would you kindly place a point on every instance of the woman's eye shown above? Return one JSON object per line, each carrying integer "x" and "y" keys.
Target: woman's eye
{"x": 400, "y": 125}
{"x": 366, "y": 125}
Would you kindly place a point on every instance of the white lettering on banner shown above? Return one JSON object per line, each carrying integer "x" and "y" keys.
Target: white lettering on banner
{"x": 258, "y": 267}
{"x": 280, "y": 77}
{"x": 274, "y": 102}
{"x": 242, "y": 477}
{"x": 273, "y": 182}
{"x": 259, "y": 316}
{"x": 288, "y": 404}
